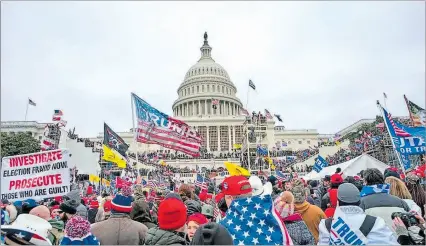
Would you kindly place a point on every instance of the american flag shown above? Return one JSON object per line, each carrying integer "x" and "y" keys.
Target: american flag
{"x": 268, "y": 115}
{"x": 201, "y": 182}
{"x": 152, "y": 184}
{"x": 156, "y": 127}
{"x": 244, "y": 111}
{"x": 215, "y": 101}
{"x": 251, "y": 84}
{"x": 254, "y": 221}
{"x": 398, "y": 131}
{"x": 281, "y": 176}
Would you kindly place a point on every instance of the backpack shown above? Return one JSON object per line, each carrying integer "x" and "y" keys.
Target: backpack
{"x": 366, "y": 226}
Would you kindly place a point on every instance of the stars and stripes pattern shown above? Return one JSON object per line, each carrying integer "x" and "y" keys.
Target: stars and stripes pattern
{"x": 268, "y": 114}
{"x": 152, "y": 184}
{"x": 399, "y": 132}
{"x": 254, "y": 221}
{"x": 244, "y": 111}
{"x": 251, "y": 84}
{"x": 201, "y": 182}
{"x": 156, "y": 127}
{"x": 281, "y": 176}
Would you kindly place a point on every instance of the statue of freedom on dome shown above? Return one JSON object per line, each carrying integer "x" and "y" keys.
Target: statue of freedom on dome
{"x": 205, "y": 36}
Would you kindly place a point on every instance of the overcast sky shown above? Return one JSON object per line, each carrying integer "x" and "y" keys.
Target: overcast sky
{"x": 319, "y": 65}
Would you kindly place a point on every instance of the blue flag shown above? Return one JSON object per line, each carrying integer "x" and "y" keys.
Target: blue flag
{"x": 253, "y": 221}
{"x": 320, "y": 163}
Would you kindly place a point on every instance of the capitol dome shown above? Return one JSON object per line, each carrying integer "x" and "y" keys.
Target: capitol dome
{"x": 206, "y": 84}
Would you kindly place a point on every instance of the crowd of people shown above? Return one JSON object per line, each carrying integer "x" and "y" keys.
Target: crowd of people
{"x": 370, "y": 208}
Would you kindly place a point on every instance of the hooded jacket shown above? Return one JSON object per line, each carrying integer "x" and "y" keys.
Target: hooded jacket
{"x": 298, "y": 230}
{"x": 383, "y": 205}
{"x": 81, "y": 209}
{"x": 311, "y": 215}
{"x": 380, "y": 234}
{"x": 119, "y": 229}
{"x": 157, "y": 236}
{"x": 140, "y": 213}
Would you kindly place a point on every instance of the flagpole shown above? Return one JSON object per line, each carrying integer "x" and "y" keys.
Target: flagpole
{"x": 26, "y": 111}
{"x": 248, "y": 92}
{"x": 134, "y": 132}
{"x": 393, "y": 144}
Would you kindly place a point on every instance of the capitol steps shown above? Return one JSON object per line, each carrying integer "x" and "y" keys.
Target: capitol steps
{"x": 324, "y": 152}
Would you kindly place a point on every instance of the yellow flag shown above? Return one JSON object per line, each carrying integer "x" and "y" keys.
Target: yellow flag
{"x": 337, "y": 143}
{"x": 272, "y": 167}
{"x": 113, "y": 156}
{"x": 235, "y": 170}
{"x": 106, "y": 182}
{"x": 94, "y": 178}
{"x": 237, "y": 146}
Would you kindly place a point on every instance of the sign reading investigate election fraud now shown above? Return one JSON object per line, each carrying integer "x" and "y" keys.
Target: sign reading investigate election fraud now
{"x": 42, "y": 175}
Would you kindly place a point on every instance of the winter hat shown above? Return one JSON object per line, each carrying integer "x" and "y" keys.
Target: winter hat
{"x": 94, "y": 204}
{"x": 336, "y": 179}
{"x": 41, "y": 211}
{"x": 212, "y": 234}
{"x": 58, "y": 199}
{"x": 171, "y": 214}
{"x": 391, "y": 172}
{"x": 204, "y": 196}
{"x": 27, "y": 205}
{"x": 207, "y": 210}
{"x": 198, "y": 218}
{"x": 69, "y": 207}
{"x": 348, "y": 193}
{"x": 138, "y": 193}
{"x": 173, "y": 195}
{"x": 236, "y": 185}
{"x": 284, "y": 204}
{"x": 122, "y": 203}
{"x": 299, "y": 193}
{"x": 89, "y": 190}
{"x": 77, "y": 232}
{"x": 218, "y": 197}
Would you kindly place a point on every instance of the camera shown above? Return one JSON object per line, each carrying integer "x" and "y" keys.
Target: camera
{"x": 408, "y": 218}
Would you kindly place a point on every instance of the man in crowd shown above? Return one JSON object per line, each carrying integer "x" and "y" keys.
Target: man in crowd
{"x": 375, "y": 197}
{"x": 351, "y": 226}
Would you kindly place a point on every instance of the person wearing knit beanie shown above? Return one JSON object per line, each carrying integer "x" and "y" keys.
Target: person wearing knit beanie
{"x": 122, "y": 203}
{"x": 77, "y": 232}
{"x": 212, "y": 234}
{"x": 171, "y": 224}
{"x": 194, "y": 222}
{"x": 172, "y": 215}
{"x": 69, "y": 209}
{"x": 119, "y": 228}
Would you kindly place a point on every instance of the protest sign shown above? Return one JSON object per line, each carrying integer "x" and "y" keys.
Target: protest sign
{"x": 36, "y": 175}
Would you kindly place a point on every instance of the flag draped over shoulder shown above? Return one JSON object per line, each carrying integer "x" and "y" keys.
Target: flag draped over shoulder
{"x": 254, "y": 221}
{"x": 114, "y": 147}
{"x": 156, "y": 127}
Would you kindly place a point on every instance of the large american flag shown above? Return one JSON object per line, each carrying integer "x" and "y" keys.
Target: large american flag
{"x": 398, "y": 131}
{"x": 156, "y": 127}
{"x": 254, "y": 221}
{"x": 200, "y": 182}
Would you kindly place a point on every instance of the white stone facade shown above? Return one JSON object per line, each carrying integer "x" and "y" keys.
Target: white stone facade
{"x": 220, "y": 128}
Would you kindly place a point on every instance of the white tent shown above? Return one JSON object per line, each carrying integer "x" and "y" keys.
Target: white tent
{"x": 349, "y": 168}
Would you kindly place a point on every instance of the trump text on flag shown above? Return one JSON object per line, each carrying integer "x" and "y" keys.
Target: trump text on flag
{"x": 41, "y": 175}
{"x": 410, "y": 145}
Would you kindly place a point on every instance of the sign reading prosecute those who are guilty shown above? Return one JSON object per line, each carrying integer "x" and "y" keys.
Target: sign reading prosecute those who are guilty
{"x": 36, "y": 175}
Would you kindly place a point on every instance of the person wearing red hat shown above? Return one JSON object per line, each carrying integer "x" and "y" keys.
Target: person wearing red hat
{"x": 329, "y": 200}
{"x": 93, "y": 210}
{"x": 193, "y": 223}
{"x": 235, "y": 187}
{"x": 171, "y": 224}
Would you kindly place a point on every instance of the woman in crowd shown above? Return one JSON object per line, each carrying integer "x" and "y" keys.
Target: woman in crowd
{"x": 417, "y": 191}
{"x": 398, "y": 188}
{"x": 299, "y": 232}
{"x": 193, "y": 223}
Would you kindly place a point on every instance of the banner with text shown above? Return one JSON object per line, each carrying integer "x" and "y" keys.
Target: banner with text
{"x": 42, "y": 175}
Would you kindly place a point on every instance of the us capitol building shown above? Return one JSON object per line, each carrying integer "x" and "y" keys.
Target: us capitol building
{"x": 220, "y": 127}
